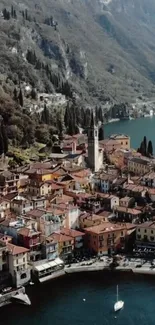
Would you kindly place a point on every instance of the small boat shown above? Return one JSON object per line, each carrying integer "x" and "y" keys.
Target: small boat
{"x": 119, "y": 304}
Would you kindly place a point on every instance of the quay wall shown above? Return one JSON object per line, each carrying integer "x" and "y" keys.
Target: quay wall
{"x": 94, "y": 268}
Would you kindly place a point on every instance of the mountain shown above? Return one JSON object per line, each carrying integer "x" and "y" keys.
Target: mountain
{"x": 101, "y": 49}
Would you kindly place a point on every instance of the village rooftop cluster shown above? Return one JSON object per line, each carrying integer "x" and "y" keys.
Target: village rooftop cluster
{"x": 89, "y": 197}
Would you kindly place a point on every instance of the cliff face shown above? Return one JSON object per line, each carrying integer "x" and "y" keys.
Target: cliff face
{"x": 102, "y": 48}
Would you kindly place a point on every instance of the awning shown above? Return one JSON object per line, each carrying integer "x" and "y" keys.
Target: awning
{"x": 52, "y": 263}
{"x": 39, "y": 268}
{"x": 48, "y": 265}
{"x": 58, "y": 261}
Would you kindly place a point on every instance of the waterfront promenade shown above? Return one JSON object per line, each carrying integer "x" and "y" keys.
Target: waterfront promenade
{"x": 135, "y": 265}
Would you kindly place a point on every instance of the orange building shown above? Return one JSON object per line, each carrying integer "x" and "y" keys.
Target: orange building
{"x": 105, "y": 238}
{"x": 124, "y": 140}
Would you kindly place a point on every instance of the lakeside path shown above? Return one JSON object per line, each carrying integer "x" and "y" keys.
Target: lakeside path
{"x": 103, "y": 265}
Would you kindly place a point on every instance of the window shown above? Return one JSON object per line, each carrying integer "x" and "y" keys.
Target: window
{"x": 151, "y": 231}
{"x": 138, "y": 230}
{"x": 16, "y": 261}
{"x": 152, "y": 238}
{"x": 126, "y": 142}
{"x": 145, "y": 230}
{"x": 24, "y": 259}
{"x": 23, "y": 276}
{"x": 121, "y": 233}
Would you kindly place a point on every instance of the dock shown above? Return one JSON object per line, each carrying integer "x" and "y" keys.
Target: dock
{"x": 18, "y": 295}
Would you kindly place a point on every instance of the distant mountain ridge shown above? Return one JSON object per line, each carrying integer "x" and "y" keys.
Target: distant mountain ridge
{"x": 102, "y": 49}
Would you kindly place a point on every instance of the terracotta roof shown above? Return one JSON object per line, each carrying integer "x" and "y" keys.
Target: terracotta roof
{"x": 82, "y": 173}
{"x": 10, "y": 196}
{"x": 104, "y": 228}
{"x": 71, "y": 232}
{"x": 36, "y": 213}
{"x": 64, "y": 199}
{"x": 27, "y": 232}
{"x": 14, "y": 250}
{"x": 147, "y": 224}
{"x": 80, "y": 180}
{"x": 61, "y": 238}
{"x": 55, "y": 211}
{"x": 127, "y": 210}
{"x": 43, "y": 165}
{"x": 53, "y": 185}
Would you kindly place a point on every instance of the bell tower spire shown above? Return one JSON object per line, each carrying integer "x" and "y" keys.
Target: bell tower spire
{"x": 93, "y": 149}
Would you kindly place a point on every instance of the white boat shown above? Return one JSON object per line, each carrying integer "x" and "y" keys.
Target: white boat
{"x": 119, "y": 304}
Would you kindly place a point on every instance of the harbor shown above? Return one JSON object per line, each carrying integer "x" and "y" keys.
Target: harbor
{"x": 87, "y": 298}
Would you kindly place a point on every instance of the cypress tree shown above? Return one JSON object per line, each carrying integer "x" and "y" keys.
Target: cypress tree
{"x": 20, "y": 97}
{"x": 45, "y": 117}
{"x": 12, "y": 11}
{"x": 5, "y": 137}
{"x": 1, "y": 143}
{"x": 101, "y": 133}
{"x": 15, "y": 97}
{"x": 145, "y": 145}
{"x": 150, "y": 149}
{"x": 142, "y": 148}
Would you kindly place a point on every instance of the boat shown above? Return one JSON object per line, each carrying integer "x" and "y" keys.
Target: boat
{"x": 119, "y": 304}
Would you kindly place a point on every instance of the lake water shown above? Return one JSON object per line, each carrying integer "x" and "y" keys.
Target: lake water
{"x": 136, "y": 129}
{"x": 60, "y": 302}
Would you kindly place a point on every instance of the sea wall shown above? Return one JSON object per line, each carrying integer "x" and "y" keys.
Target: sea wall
{"x": 94, "y": 268}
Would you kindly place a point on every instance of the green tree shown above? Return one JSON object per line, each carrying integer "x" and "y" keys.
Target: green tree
{"x": 15, "y": 96}
{"x": 150, "y": 149}
{"x": 1, "y": 144}
{"x": 5, "y": 137}
{"x": 12, "y": 11}
{"x": 33, "y": 94}
{"x": 142, "y": 148}
{"x": 42, "y": 134}
{"x": 101, "y": 133}
{"x": 45, "y": 116}
{"x": 20, "y": 97}
{"x": 145, "y": 145}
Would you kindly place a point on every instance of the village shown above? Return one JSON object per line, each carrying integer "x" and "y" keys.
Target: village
{"x": 90, "y": 199}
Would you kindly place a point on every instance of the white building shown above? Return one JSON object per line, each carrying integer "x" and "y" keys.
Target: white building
{"x": 18, "y": 264}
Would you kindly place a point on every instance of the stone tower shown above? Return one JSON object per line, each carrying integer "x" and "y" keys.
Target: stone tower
{"x": 93, "y": 149}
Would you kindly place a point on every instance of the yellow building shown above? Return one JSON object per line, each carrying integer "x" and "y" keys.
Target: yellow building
{"x": 90, "y": 220}
{"x": 65, "y": 244}
{"x": 139, "y": 166}
{"x": 145, "y": 235}
{"x": 123, "y": 139}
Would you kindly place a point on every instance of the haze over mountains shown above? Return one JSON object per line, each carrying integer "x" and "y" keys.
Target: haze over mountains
{"x": 103, "y": 49}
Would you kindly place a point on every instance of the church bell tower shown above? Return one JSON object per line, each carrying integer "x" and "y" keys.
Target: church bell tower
{"x": 93, "y": 148}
